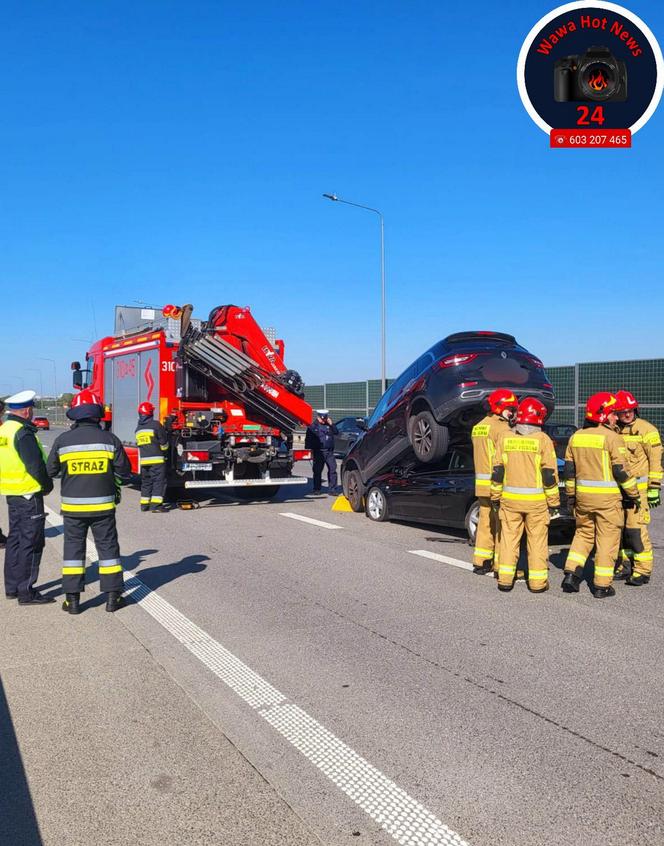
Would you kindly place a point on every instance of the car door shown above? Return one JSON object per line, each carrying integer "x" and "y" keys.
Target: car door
{"x": 441, "y": 493}
{"x": 347, "y": 435}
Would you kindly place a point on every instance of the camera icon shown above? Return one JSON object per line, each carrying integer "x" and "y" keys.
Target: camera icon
{"x": 595, "y": 76}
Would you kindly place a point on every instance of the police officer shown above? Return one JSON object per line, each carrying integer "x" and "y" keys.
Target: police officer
{"x": 595, "y": 473}
{"x": 320, "y": 440}
{"x": 152, "y": 441}
{"x": 24, "y": 481}
{"x": 503, "y": 405}
{"x": 524, "y": 486}
{"x": 93, "y": 465}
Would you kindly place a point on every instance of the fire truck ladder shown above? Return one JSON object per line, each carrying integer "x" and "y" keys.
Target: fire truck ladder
{"x": 237, "y": 373}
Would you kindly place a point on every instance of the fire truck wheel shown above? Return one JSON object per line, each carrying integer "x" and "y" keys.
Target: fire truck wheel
{"x": 427, "y": 437}
{"x": 353, "y": 488}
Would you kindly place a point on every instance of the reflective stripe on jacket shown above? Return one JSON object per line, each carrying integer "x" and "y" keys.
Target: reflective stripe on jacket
{"x": 485, "y": 435}
{"x": 92, "y": 464}
{"x": 15, "y": 480}
{"x": 525, "y": 472}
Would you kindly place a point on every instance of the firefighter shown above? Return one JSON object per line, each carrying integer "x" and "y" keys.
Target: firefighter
{"x": 93, "y": 464}
{"x": 644, "y": 450}
{"x": 524, "y": 491}
{"x": 152, "y": 440}
{"x": 503, "y": 405}
{"x": 24, "y": 481}
{"x": 320, "y": 440}
{"x": 595, "y": 473}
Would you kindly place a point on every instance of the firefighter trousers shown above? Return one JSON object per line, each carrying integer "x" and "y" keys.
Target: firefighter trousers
{"x": 25, "y": 543}
{"x": 600, "y": 528}
{"x": 105, "y": 534}
{"x": 488, "y": 532}
{"x": 636, "y": 553}
{"x": 513, "y": 523}
{"x": 321, "y": 459}
{"x": 153, "y": 484}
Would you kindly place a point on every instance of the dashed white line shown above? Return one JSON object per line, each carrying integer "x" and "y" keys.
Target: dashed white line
{"x": 399, "y": 814}
{"x": 321, "y": 523}
{"x": 444, "y": 559}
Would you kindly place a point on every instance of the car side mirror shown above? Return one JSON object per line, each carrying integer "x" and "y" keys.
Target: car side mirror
{"x": 77, "y": 378}
{"x": 361, "y": 424}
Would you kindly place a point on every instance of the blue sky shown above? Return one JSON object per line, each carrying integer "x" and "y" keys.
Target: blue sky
{"x": 174, "y": 152}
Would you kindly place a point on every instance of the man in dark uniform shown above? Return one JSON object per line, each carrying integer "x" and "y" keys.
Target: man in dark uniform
{"x": 320, "y": 440}
{"x": 93, "y": 465}
{"x": 24, "y": 481}
{"x": 152, "y": 442}
{"x": 3, "y": 539}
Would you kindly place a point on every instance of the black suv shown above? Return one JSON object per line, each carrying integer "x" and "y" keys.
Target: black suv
{"x": 440, "y": 395}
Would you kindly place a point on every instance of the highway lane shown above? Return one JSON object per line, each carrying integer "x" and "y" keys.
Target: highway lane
{"x": 514, "y": 719}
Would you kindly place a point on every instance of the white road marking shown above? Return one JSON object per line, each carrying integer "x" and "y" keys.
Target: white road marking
{"x": 311, "y": 520}
{"x": 403, "y": 817}
{"x": 445, "y": 559}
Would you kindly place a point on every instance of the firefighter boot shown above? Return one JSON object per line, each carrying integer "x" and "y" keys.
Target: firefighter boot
{"x": 71, "y": 603}
{"x": 571, "y": 583}
{"x": 483, "y": 568}
{"x": 604, "y": 592}
{"x": 637, "y": 579}
{"x": 114, "y": 600}
{"x": 145, "y": 507}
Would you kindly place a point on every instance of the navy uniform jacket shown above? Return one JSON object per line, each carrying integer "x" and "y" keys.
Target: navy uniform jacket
{"x": 320, "y": 437}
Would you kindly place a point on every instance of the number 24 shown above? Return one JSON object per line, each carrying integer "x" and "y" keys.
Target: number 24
{"x": 596, "y": 117}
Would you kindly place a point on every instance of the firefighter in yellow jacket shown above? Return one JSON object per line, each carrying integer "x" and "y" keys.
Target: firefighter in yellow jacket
{"x": 644, "y": 450}
{"x": 595, "y": 472}
{"x": 524, "y": 486}
{"x": 503, "y": 404}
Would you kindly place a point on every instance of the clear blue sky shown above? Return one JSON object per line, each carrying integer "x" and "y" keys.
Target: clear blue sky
{"x": 172, "y": 152}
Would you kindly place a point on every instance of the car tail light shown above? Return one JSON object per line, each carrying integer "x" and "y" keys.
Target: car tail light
{"x": 301, "y": 454}
{"x": 547, "y": 385}
{"x": 197, "y": 455}
{"x": 456, "y": 360}
{"x": 536, "y": 362}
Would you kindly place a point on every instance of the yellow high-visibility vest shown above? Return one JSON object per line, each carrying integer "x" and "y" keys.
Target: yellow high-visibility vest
{"x": 14, "y": 477}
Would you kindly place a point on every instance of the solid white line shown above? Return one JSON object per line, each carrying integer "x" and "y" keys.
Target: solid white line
{"x": 311, "y": 520}
{"x": 403, "y": 817}
{"x": 445, "y": 559}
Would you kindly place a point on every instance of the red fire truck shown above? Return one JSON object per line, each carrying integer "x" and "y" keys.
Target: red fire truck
{"x": 219, "y": 386}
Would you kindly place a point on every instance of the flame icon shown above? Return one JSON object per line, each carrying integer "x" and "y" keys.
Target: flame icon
{"x": 598, "y": 81}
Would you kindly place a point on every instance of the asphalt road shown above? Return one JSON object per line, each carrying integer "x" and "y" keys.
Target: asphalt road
{"x": 385, "y": 696}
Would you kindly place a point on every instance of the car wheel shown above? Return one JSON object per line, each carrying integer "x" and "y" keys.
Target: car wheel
{"x": 471, "y": 520}
{"x": 353, "y": 490}
{"x": 428, "y": 438}
{"x": 376, "y": 505}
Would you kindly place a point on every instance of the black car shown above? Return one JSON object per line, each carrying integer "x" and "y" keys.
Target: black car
{"x": 350, "y": 429}
{"x": 437, "y": 398}
{"x": 560, "y": 433}
{"x": 442, "y": 494}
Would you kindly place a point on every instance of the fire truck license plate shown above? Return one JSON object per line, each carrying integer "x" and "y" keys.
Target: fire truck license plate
{"x": 197, "y": 465}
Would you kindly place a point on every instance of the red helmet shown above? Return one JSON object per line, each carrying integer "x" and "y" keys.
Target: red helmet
{"x": 599, "y": 405}
{"x": 502, "y": 399}
{"x": 531, "y": 411}
{"x": 85, "y": 404}
{"x": 626, "y": 401}
{"x": 146, "y": 408}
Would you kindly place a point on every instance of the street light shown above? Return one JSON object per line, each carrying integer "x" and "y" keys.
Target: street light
{"x": 41, "y": 381}
{"x": 336, "y": 199}
{"x": 55, "y": 374}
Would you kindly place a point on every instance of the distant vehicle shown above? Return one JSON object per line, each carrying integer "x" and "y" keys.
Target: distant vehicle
{"x": 442, "y": 494}
{"x": 350, "y": 429}
{"x": 438, "y": 398}
{"x": 560, "y": 433}
{"x": 41, "y": 422}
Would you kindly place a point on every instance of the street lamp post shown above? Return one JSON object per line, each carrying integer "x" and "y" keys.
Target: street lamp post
{"x": 336, "y": 199}
{"x": 41, "y": 380}
{"x": 55, "y": 375}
